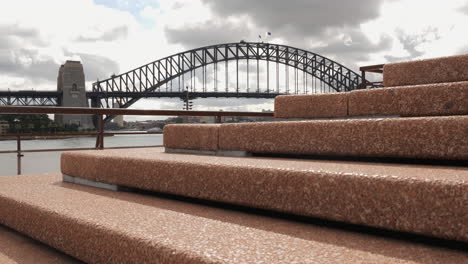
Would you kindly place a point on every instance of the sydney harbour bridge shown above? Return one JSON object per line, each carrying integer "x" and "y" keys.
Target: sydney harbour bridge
{"x": 233, "y": 70}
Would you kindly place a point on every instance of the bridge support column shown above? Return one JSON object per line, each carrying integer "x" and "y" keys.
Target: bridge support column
{"x": 71, "y": 84}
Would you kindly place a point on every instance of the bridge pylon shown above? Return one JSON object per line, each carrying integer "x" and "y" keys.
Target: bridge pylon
{"x": 71, "y": 85}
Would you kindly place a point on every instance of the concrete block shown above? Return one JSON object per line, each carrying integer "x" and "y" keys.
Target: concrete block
{"x": 16, "y": 248}
{"x": 311, "y": 106}
{"x": 441, "y": 99}
{"x": 437, "y": 70}
{"x": 374, "y": 102}
{"x": 97, "y": 226}
{"x": 428, "y": 200}
{"x": 185, "y": 136}
{"x": 434, "y": 99}
{"x": 418, "y": 138}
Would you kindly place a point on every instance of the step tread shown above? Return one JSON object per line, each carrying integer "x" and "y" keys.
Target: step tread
{"x": 99, "y": 226}
{"x": 16, "y": 248}
{"x": 370, "y": 169}
{"x": 413, "y": 198}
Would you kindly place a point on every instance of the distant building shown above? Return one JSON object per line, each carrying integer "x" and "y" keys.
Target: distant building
{"x": 71, "y": 82}
{"x": 206, "y": 119}
{"x": 4, "y": 127}
{"x": 146, "y": 125}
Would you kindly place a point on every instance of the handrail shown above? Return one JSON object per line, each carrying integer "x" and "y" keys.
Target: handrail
{"x": 100, "y": 134}
{"x": 103, "y": 111}
{"x": 379, "y": 68}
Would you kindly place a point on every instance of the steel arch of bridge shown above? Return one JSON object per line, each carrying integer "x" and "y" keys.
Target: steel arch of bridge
{"x": 125, "y": 89}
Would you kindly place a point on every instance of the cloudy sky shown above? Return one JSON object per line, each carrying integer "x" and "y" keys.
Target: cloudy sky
{"x": 113, "y": 36}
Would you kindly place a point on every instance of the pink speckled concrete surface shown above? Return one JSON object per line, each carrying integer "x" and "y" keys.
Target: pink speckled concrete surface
{"x": 423, "y": 138}
{"x": 421, "y": 100}
{"x": 100, "y": 226}
{"x": 428, "y": 200}
{"x": 190, "y": 136}
{"x": 311, "y": 106}
{"x": 373, "y": 102}
{"x": 16, "y": 248}
{"x": 437, "y": 70}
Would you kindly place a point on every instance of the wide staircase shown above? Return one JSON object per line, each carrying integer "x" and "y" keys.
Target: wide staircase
{"x": 368, "y": 176}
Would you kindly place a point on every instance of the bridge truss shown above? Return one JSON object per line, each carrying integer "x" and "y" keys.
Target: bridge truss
{"x": 226, "y": 70}
{"x": 30, "y": 98}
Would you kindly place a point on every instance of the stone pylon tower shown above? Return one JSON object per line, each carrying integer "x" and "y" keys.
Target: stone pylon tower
{"x": 71, "y": 82}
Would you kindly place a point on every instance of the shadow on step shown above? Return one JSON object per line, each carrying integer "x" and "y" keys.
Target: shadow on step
{"x": 398, "y": 245}
{"x": 454, "y": 163}
{"x": 17, "y": 248}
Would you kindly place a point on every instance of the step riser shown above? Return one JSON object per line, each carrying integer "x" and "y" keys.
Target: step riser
{"x": 411, "y": 101}
{"x": 438, "y": 70}
{"x": 425, "y": 207}
{"x": 439, "y": 138}
{"x": 424, "y": 100}
{"x": 312, "y": 106}
{"x": 198, "y": 137}
{"x": 414, "y": 138}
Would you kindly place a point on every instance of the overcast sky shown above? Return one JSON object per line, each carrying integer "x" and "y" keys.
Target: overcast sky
{"x": 113, "y": 36}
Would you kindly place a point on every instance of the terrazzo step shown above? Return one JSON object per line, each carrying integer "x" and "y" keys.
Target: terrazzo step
{"x": 192, "y": 137}
{"x": 428, "y": 200}
{"x": 441, "y": 99}
{"x": 437, "y": 70}
{"x": 312, "y": 106}
{"x": 16, "y": 248}
{"x": 442, "y": 138}
{"x": 99, "y": 226}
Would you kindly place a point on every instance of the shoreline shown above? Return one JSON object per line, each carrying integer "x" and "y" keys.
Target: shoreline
{"x": 47, "y": 138}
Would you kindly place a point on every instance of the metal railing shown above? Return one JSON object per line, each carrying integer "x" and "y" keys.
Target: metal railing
{"x": 100, "y": 133}
{"x": 379, "y": 68}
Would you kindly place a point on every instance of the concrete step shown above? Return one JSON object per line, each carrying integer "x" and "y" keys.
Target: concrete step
{"x": 15, "y": 248}
{"x": 99, "y": 226}
{"x": 312, "y": 106}
{"x": 441, "y": 138}
{"x": 437, "y": 70}
{"x": 194, "y": 137}
{"x": 442, "y": 99}
{"x": 428, "y": 200}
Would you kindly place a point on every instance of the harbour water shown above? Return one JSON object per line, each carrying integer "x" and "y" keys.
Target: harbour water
{"x": 49, "y": 162}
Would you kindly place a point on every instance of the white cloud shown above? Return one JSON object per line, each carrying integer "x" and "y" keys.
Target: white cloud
{"x": 119, "y": 35}
{"x": 433, "y": 28}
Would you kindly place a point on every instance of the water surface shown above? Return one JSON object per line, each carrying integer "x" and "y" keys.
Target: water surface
{"x": 45, "y": 162}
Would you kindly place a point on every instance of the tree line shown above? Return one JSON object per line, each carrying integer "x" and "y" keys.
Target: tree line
{"x": 37, "y": 123}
